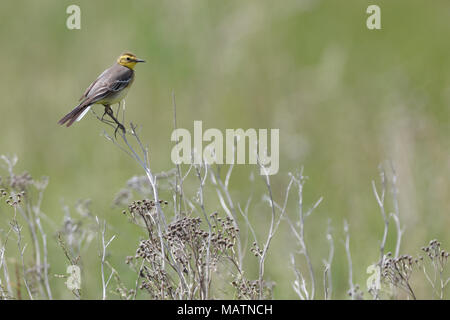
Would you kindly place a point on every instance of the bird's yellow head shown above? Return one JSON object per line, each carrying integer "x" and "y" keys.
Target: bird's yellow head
{"x": 128, "y": 60}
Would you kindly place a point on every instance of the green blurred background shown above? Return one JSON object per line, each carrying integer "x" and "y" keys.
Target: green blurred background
{"x": 344, "y": 97}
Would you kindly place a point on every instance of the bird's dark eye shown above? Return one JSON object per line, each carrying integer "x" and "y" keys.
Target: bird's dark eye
{"x": 128, "y": 58}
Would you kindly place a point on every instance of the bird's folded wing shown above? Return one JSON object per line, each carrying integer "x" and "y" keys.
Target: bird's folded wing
{"x": 104, "y": 91}
{"x": 86, "y": 93}
{"x": 110, "y": 81}
{"x": 119, "y": 85}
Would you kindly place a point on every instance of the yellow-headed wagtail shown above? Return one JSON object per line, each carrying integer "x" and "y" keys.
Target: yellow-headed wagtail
{"x": 109, "y": 88}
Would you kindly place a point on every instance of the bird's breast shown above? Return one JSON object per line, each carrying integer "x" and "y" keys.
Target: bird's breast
{"x": 119, "y": 96}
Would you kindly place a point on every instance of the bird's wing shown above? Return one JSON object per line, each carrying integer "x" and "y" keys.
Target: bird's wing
{"x": 86, "y": 93}
{"x": 111, "y": 81}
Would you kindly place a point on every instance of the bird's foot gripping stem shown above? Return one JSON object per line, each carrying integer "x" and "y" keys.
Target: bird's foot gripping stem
{"x": 110, "y": 113}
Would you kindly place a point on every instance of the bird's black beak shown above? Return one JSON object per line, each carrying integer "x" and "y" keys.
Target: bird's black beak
{"x": 139, "y": 60}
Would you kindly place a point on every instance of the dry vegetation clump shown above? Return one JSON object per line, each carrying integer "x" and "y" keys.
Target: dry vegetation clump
{"x": 185, "y": 250}
{"x": 184, "y": 247}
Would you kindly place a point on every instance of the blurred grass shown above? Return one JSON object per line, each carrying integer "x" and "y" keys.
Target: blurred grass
{"x": 345, "y": 98}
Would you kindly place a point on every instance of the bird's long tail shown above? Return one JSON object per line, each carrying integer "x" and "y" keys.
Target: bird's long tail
{"x": 76, "y": 114}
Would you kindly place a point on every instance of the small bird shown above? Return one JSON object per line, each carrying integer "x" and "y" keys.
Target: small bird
{"x": 109, "y": 88}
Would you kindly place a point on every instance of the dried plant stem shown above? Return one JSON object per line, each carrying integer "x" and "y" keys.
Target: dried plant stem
{"x": 29, "y": 215}
{"x": 380, "y": 200}
{"x": 44, "y": 246}
{"x": 103, "y": 257}
{"x": 207, "y": 268}
{"x": 396, "y": 214}
{"x": 37, "y": 213}
{"x": 179, "y": 180}
{"x": 144, "y": 162}
{"x": 274, "y": 223}
{"x": 4, "y": 265}
{"x": 268, "y": 240}
{"x": 18, "y": 230}
{"x": 349, "y": 260}
{"x": 327, "y": 277}
{"x": 226, "y": 201}
{"x": 300, "y": 234}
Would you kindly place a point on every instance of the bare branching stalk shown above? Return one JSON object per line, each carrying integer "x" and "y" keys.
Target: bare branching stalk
{"x": 380, "y": 200}
{"x": 244, "y": 214}
{"x": 299, "y": 233}
{"x": 327, "y": 277}
{"x": 270, "y": 235}
{"x": 349, "y": 261}
{"x": 104, "y": 245}
{"x": 20, "y": 188}
{"x": 274, "y": 223}
{"x": 437, "y": 258}
{"x": 206, "y": 280}
{"x": 380, "y": 197}
{"x": 225, "y": 199}
{"x": 299, "y": 285}
{"x": 4, "y": 265}
{"x": 18, "y": 230}
{"x": 41, "y": 186}
{"x": 396, "y": 214}
{"x": 179, "y": 198}
{"x": 143, "y": 160}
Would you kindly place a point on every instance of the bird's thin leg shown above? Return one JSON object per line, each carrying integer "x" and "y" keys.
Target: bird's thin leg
{"x": 118, "y": 110}
{"x": 110, "y": 113}
{"x": 103, "y": 116}
{"x": 102, "y": 119}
